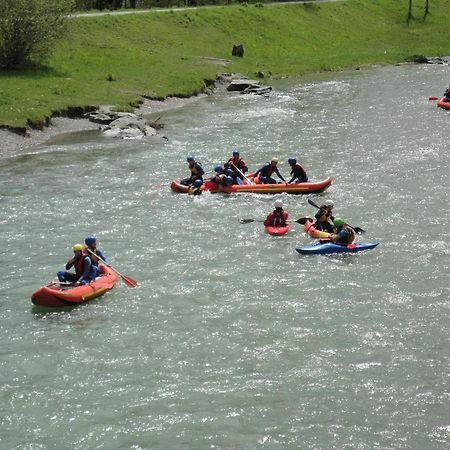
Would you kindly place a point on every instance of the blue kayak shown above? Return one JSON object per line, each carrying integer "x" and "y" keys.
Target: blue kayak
{"x": 330, "y": 247}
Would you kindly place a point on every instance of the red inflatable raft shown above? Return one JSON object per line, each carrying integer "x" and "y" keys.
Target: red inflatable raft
{"x": 311, "y": 230}
{"x": 308, "y": 187}
{"x": 55, "y": 294}
{"x": 277, "y": 231}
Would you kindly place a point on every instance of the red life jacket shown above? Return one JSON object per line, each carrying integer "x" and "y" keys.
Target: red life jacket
{"x": 79, "y": 265}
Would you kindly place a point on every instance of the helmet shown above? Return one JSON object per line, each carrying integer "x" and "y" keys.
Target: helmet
{"x": 235, "y": 152}
{"x": 189, "y": 158}
{"x": 329, "y": 203}
{"x": 278, "y": 204}
{"x": 292, "y": 161}
{"x": 338, "y": 222}
{"x": 198, "y": 182}
{"x": 228, "y": 180}
{"x": 90, "y": 240}
{"x": 77, "y": 248}
{"x": 229, "y": 172}
{"x": 218, "y": 168}
{"x": 275, "y": 160}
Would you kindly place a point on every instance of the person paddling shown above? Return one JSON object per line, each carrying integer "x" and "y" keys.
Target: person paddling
{"x": 238, "y": 166}
{"x": 278, "y": 217}
{"x": 324, "y": 217}
{"x": 91, "y": 246}
{"x": 84, "y": 272}
{"x": 298, "y": 173}
{"x": 266, "y": 171}
{"x": 344, "y": 235}
{"x": 196, "y": 169}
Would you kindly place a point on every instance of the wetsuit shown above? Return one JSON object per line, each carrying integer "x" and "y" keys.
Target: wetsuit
{"x": 197, "y": 173}
{"x": 266, "y": 171}
{"x": 298, "y": 174}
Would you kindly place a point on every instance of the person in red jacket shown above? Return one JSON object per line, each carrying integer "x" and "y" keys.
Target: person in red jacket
{"x": 237, "y": 165}
{"x": 278, "y": 217}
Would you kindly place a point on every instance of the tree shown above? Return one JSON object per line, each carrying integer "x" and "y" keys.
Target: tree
{"x": 28, "y": 28}
{"x": 426, "y": 12}
{"x": 409, "y": 11}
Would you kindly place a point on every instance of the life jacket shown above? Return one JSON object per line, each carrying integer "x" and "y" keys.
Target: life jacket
{"x": 323, "y": 215}
{"x": 94, "y": 259}
{"x": 278, "y": 218}
{"x": 79, "y": 265}
{"x": 196, "y": 170}
{"x": 239, "y": 163}
{"x": 194, "y": 190}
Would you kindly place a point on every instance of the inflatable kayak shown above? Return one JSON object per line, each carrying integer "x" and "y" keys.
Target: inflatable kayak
{"x": 443, "y": 103}
{"x": 277, "y": 231}
{"x": 329, "y": 247}
{"x": 310, "y": 229}
{"x": 56, "y": 294}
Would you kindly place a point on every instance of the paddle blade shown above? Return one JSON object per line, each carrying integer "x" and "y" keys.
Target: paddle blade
{"x": 432, "y": 98}
{"x": 129, "y": 281}
{"x": 358, "y": 230}
{"x": 313, "y": 204}
{"x": 246, "y": 220}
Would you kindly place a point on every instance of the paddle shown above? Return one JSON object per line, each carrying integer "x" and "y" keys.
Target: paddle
{"x": 357, "y": 230}
{"x": 301, "y": 221}
{"x": 127, "y": 280}
{"x": 242, "y": 173}
{"x": 431, "y": 98}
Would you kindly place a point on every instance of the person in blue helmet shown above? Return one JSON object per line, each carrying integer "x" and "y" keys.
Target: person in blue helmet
{"x": 84, "y": 270}
{"x": 93, "y": 252}
{"x": 266, "y": 171}
{"x": 219, "y": 177}
{"x": 196, "y": 169}
{"x": 196, "y": 188}
{"x": 233, "y": 175}
{"x": 344, "y": 234}
{"x": 298, "y": 173}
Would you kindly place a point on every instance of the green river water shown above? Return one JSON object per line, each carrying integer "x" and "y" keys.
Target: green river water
{"x": 233, "y": 340}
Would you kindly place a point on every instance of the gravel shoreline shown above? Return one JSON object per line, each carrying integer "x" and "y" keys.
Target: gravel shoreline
{"x": 13, "y": 144}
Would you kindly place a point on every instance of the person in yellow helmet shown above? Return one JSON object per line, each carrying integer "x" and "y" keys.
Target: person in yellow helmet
{"x": 84, "y": 269}
{"x": 266, "y": 171}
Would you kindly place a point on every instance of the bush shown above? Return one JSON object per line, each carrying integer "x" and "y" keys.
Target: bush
{"x": 28, "y": 28}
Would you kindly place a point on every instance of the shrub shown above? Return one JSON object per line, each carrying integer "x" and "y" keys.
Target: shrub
{"x": 28, "y": 28}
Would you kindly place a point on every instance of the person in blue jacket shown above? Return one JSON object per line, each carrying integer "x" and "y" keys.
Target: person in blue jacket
{"x": 92, "y": 251}
{"x": 84, "y": 271}
{"x": 196, "y": 169}
{"x": 344, "y": 234}
{"x": 266, "y": 171}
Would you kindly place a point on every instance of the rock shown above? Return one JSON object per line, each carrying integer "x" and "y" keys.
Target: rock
{"x": 129, "y": 126}
{"x": 238, "y": 50}
{"x": 258, "y": 90}
{"x": 242, "y": 84}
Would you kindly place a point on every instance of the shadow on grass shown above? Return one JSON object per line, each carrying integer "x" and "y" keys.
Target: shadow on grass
{"x": 36, "y": 71}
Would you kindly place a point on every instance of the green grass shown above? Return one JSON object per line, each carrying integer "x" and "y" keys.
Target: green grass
{"x": 117, "y": 60}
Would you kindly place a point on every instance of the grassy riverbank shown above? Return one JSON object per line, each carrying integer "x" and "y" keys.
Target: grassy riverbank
{"x": 118, "y": 59}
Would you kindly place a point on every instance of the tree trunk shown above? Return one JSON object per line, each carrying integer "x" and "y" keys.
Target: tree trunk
{"x": 409, "y": 11}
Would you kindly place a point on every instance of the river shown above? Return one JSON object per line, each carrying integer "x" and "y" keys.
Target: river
{"x": 232, "y": 339}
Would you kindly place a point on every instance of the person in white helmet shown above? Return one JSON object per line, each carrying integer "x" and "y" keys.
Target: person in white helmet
{"x": 278, "y": 217}
{"x": 324, "y": 217}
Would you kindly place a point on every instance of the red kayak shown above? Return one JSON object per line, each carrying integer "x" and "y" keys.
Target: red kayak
{"x": 277, "y": 231}
{"x": 443, "y": 103}
{"x": 56, "y": 294}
